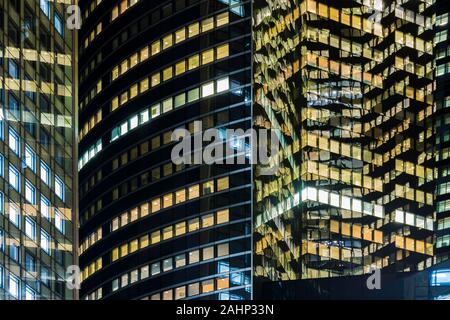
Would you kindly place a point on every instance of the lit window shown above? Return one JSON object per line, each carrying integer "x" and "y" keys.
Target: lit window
{"x": 222, "y": 84}
{"x": 156, "y": 205}
{"x": 223, "y": 283}
{"x": 193, "y": 224}
{"x": 167, "y": 105}
{"x": 208, "y": 187}
{"x": 30, "y": 158}
{"x": 30, "y": 192}
{"x": 167, "y": 73}
{"x": 193, "y": 29}
{"x": 156, "y": 79}
{"x": 155, "y": 110}
{"x": 222, "y": 51}
{"x": 144, "y": 272}
{"x": 167, "y": 265}
{"x": 180, "y": 68}
{"x": 156, "y": 47}
{"x": 45, "y": 173}
{"x": 222, "y": 184}
{"x": 194, "y": 256}
{"x": 167, "y": 295}
{"x": 180, "y": 228}
{"x": 180, "y": 35}
{"x": 45, "y": 7}
{"x": 180, "y": 261}
{"x": 59, "y": 25}
{"x": 14, "y": 141}
{"x": 223, "y": 216}
{"x": 14, "y": 282}
{"x": 30, "y": 228}
{"x": 223, "y": 250}
{"x": 193, "y": 95}
{"x": 14, "y": 177}
{"x": 194, "y": 192}
{"x": 45, "y": 207}
{"x": 208, "y": 253}
{"x": 194, "y": 62}
{"x": 45, "y": 242}
{"x": 180, "y": 100}
{"x": 207, "y": 89}
{"x": 168, "y": 198}
{"x": 156, "y": 237}
{"x": 180, "y": 293}
{"x": 222, "y": 19}
{"x": 207, "y": 24}
{"x": 59, "y": 187}
{"x": 143, "y": 85}
{"x": 167, "y": 41}
{"x": 207, "y": 286}
{"x": 207, "y": 221}
{"x": 207, "y": 56}
{"x": 143, "y": 54}
{"x": 167, "y": 233}
{"x": 14, "y": 214}
{"x": 59, "y": 221}
{"x": 156, "y": 268}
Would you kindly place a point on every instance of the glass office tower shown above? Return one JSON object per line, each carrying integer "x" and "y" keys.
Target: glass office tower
{"x": 150, "y": 228}
{"x": 37, "y": 143}
{"x": 350, "y": 86}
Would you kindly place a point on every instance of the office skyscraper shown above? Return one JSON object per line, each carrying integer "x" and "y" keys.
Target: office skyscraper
{"x": 150, "y": 229}
{"x": 37, "y": 143}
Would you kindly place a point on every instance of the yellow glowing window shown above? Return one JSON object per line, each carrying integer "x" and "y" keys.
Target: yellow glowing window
{"x": 115, "y": 254}
{"x": 222, "y": 184}
{"x": 180, "y": 68}
{"x": 207, "y": 220}
{"x": 193, "y": 29}
{"x": 156, "y": 205}
{"x": 208, "y": 187}
{"x": 144, "y": 210}
{"x": 143, "y": 242}
{"x": 223, "y": 250}
{"x": 223, "y": 216}
{"x": 194, "y": 192}
{"x": 115, "y": 13}
{"x": 193, "y": 224}
{"x": 123, "y": 250}
{"x": 167, "y": 233}
{"x": 134, "y": 214}
{"x": 123, "y": 98}
{"x": 134, "y": 246}
{"x": 180, "y": 228}
{"x": 180, "y": 293}
{"x": 115, "y": 73}
{"x": 180, "y": 35}
{"x": 133, "y": 91}
{"x": 207, "y": 286}
{"x": 124, "y": 67}
{"x": 168, "y": 200}
{"x": 167, "y": 73}
{"x": 167, "y": 41}
{"x": 193, "y": 62}
{"x": 156, "y": 79}
{"x": 207, "y": 56}
{"x": 133, "y": 60}
{"x": 144, "y": 54}
{"x": 222, "y": 19}
{"x": 207, "y": 24}
{"x": 123, "y": 6}
{"x": 143, "y": 85}
{"x": 156, "y": 47}
{"x": 208, "y": 253}
{"x": 222, "y": 51}
{"x": 180, "y": 196}
{"x": 156, "y": 237}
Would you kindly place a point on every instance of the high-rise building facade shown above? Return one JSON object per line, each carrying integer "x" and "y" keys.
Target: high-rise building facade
{"x": 350, "y": 85}
{"x": 150, "y": 228}
{"x": 37, "y": 143}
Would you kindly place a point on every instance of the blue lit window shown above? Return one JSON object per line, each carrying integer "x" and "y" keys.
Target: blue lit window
{"x": 59, "y": 25}
{"x": 14, "y": 286}
{"x": 45, "y": 7}
{"x": 14, "y": 178}
{"x": 59, "y": 187}
{"x": 45, "y": 207}
{"x": 45, "y": 173}
{"x": 30, "y": 158}
{"x": 13, "y": 69}
{"x": 2, "y": 203}
{"x": 59, "y": 221}
{"x": 30, "y": 192}
{"x": 440, "y": 277}
{"x": 2, "y": 165}
{"x": 45, "y": 242}
{"x": 14, "y": 141}
{"x": 14, "y": 214}
{"x": 2, "y": 240}
{"x": 14, "y": 252}
{"x": 30, "y": 262}
{"x": 30, "y": 228}
{"x": 30, "y": 294}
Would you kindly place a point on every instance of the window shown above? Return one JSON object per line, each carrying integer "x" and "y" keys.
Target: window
{"x": 59, "y": 221}
{"x": 156, "y": 47}
{"x": 193, "y": 289}
{"x": 45, "y": 173}
{"x": 14, "y": 283}
{"x": 207, "y": 24}
{"x": 223, "y": 250}
{"x": 207, "y": 89}
{"x": 207, "y": 56}
{"x": 2, "y": 165}
{"x": 167, "y": 41}
{"x": 194, "y": 256}
{"x": 13, "y": 69}
{"x": 14, "y": 177}
{"x": 30, "y": 158}
{"x": 14, "y": 214}
{"x": 59, "y": 25}
{"x": 222, "y": 19}
{"x": 30, "y": 228}
{"x": 207, "y": 221}
{"x": 193, "y": 224}
{"x": 223, "y": 216}
{"x": 59, "y": 187}
{"x": 180, "y": 261}
{"x": 442, "y": 20}
{"x": 30, "y": 294}
{"x": 222, "y": 184}
{"x": 167, "y": 265}
{"x": 193, "y": 29}
{"x": 222, "y": 51}
{"x": 194, "y": 192}
{"x": 222, "y": 85}
{"x": 45, "y": 207}
{"x": 180, "y": 293}
{"x": 14, "y": 141}
{"x": 45, "y": 242}
{"x": 14, "y": 252}
{"x": 156, "y": 268}
{"x": 208, "y": 253}
{"x": 30, "y": 262}
{"x": 207, "y": 286}
{"x": 30, "y": 192}
{"x": 45, "y": 7}
{"x": 193, "y": 62}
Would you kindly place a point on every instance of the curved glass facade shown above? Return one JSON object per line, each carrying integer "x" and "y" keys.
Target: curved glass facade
{"x": 151, "y": 229}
